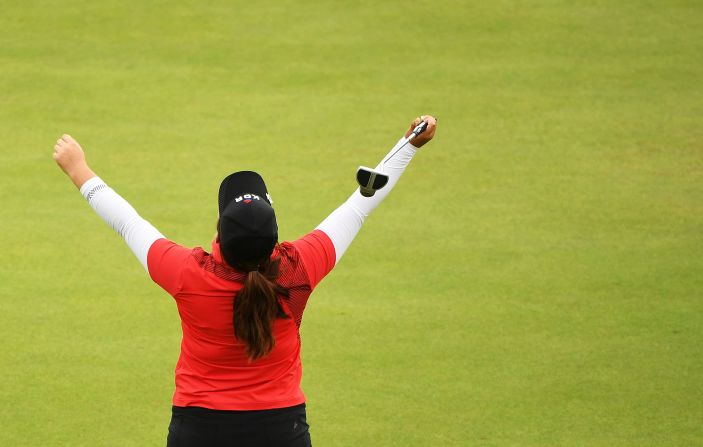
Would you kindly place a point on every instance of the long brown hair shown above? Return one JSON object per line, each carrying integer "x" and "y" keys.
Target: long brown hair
{"x": 256, "y": 306}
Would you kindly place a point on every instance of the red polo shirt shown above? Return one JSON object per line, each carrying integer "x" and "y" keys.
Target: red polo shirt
{"x": 213, "y": 370}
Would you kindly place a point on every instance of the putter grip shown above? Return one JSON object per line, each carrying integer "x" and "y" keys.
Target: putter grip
{"x": 420, "y": 128}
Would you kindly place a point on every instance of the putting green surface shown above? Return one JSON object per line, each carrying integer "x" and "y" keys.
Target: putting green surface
{"x": 534, "y": 279}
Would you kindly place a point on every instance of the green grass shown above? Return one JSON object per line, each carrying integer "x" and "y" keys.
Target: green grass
{"x": 534, "y": 280}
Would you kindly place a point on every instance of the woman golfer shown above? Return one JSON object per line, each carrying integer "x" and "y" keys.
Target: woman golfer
{"x": 241, "y": 304}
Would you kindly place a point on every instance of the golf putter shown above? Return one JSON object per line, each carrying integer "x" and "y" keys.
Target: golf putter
{"x": 371, "y": 180}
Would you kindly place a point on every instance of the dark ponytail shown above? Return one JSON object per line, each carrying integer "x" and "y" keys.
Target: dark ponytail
{"x": 256, "y": 306}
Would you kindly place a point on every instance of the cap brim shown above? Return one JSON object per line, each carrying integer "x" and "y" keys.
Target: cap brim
{"x": 240, "y": 183}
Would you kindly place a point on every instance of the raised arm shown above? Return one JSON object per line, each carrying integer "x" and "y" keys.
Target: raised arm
{"x": 114, "y": 210}
{"x": 345, "y": 222}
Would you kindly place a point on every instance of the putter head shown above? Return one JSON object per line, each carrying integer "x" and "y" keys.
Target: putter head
{"x": 370, "y": 180}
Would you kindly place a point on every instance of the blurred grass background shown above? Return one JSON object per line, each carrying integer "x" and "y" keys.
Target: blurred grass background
{"x": 534, "y": 280}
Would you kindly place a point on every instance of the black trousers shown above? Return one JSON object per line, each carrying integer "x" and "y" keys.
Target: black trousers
{"x": 202, "y": 427}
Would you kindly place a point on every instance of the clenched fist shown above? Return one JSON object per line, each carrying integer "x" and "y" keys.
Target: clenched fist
{"x": 70, "y": 157}
{"x": 425, "y": 136}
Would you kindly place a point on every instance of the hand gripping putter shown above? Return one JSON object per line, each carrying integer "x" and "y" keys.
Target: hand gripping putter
{"x": 370, "y": 180}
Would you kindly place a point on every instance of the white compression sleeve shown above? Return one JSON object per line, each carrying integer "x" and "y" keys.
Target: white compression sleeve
{"x": 345, "y": 222}
{"x": 119, "y": 214}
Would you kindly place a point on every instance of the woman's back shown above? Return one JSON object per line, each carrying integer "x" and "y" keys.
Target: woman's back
{"x": 214, "y": 370}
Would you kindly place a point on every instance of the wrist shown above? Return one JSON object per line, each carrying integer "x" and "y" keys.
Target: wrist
{"x": 80, "y": 174}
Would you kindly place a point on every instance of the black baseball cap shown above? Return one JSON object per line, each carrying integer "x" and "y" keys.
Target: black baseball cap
{"x": 240, "y": 183}
{"x": 248, "y": 230}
